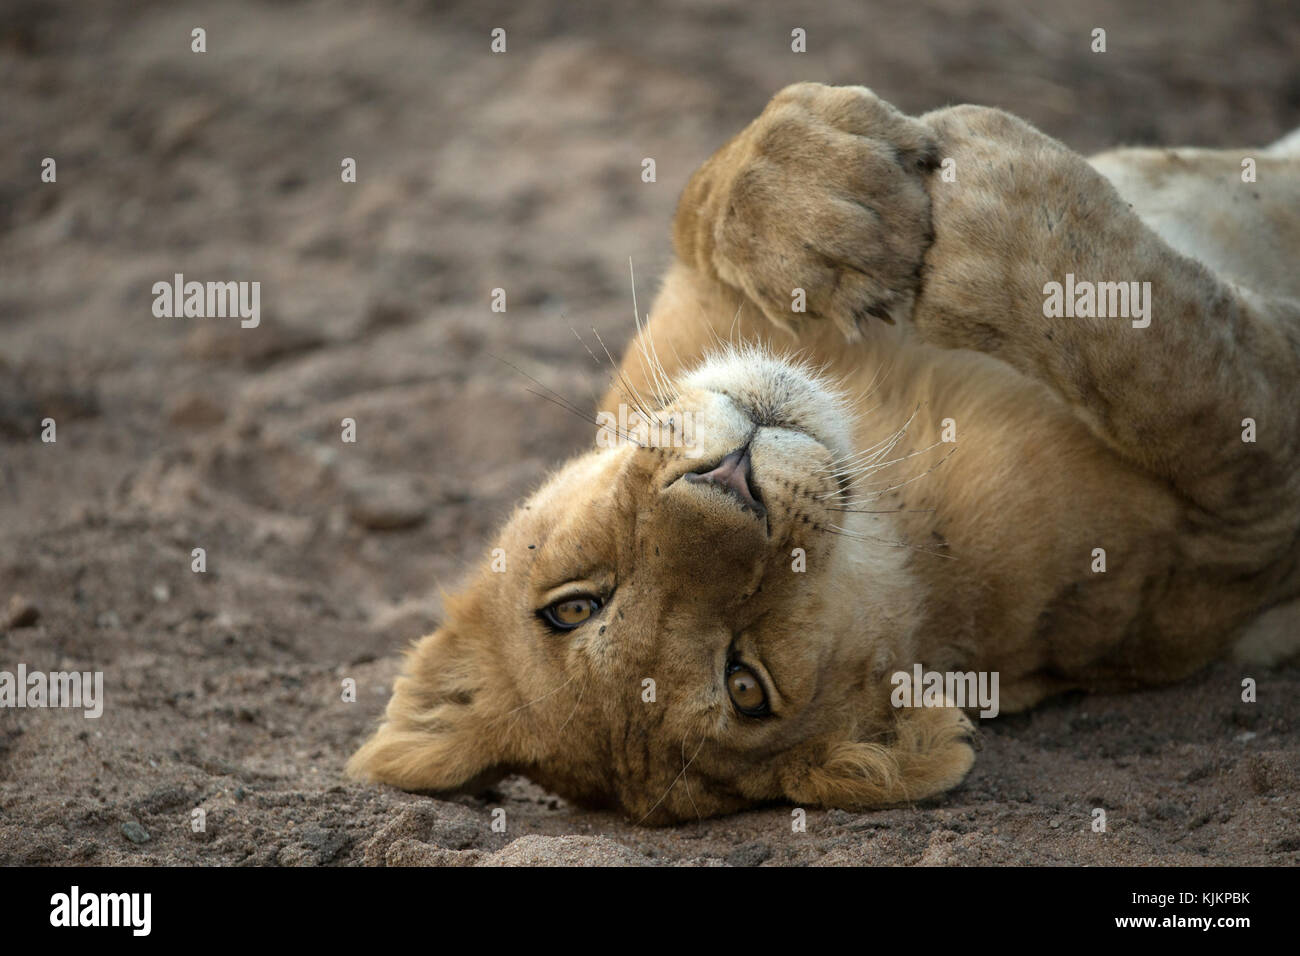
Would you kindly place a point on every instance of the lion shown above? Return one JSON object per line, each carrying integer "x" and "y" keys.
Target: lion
{"x": 957, "y": 397}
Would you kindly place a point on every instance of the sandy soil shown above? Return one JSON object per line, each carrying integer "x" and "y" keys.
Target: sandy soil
{"x": 324, "y": 558}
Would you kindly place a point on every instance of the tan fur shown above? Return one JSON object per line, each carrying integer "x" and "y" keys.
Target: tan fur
{"x": 1072, "y": 434}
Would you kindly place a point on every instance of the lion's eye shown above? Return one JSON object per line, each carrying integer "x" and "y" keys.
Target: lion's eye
{"x": 567, "y": 614}
{"x": 746, "y": 690}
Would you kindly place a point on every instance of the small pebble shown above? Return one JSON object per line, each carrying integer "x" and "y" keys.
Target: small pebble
{"x": 21, "y": 613}
{"x": 380, "y": 505}
{"x": 196, "y": 411}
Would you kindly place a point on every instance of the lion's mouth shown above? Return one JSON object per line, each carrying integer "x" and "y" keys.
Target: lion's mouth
{"x": 733, "y": 475}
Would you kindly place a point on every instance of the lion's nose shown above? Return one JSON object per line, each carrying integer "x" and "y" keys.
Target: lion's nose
{"x": 732, "y": 475}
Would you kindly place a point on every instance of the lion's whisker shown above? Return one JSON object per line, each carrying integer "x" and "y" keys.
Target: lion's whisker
{"x": 857, "y": 536}
{"x": 861, "y": 473}
{"x": 554, "y": 690}
{"x": 629, "y": 390}
{"x": 577, "y": 704}
{"x": 589, "y": 419}
{"x": 648, "y": 356}
{"x": 886, "y": 511}
{"x": 679, "y": 776}
{"x": 585, "y": 346}
{"x": 686, "y": 781}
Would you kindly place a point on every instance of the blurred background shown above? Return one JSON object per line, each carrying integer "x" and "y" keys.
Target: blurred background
{"x": 475, "y": 171}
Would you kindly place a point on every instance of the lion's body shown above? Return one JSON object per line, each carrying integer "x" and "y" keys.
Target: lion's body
{"x": 980, "y": 485}
{"x": 1033, "y": 491}
{"x": 1196, "y": 201}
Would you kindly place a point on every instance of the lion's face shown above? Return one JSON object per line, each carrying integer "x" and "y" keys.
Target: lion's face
{"x": 675, "y": 631}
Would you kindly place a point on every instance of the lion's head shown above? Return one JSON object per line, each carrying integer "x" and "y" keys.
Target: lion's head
{"x": 683, "y": 626}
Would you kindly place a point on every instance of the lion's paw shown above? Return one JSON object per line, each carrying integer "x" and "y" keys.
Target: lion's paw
{"x": 817, "y": 210}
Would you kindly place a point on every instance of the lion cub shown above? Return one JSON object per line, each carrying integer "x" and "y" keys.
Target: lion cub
{"x": 985, "y": 409}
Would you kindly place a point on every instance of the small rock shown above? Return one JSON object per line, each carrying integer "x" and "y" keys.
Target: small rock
{"x": 432, "y": 824}
{"x": 181, "y": 127}
{"x": 380, "y": 505}
{"x": 1260, "y": 774}
{"x": 295, "y": 855}
{"x": 165, "y": 798}
{"x": 162, "y": 593}
{"x": 26, "y": 399}
{"x": 226, "y": 340}
{"x": 942, "y": 850}
{"x": 1167, "y": 810}
{"x": 22, "y": 612}
{"x": 195, "y": 410}
{"x": 749, "y": 854}
{"x": 134, "y": 832}
{"x": 537, "y": 850}
{"x": 328, "y": 844}
{"x": 414, "y": 853}
{"x": 386, "y": 315}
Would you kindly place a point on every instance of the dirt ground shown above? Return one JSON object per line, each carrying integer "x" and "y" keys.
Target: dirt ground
{"x": 223, "y": 689}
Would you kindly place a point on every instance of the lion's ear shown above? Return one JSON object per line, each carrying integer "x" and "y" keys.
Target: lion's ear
{"x": 930, "y": 753}
{"x": 441, "y": 730}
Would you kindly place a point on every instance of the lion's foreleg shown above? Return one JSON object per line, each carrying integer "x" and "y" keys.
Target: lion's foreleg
{"x": 1038, "y": 261}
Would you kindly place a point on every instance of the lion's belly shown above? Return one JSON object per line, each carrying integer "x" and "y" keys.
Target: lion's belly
{"x": 1247, "y": 230}
{"x": 1043, "y": 555}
